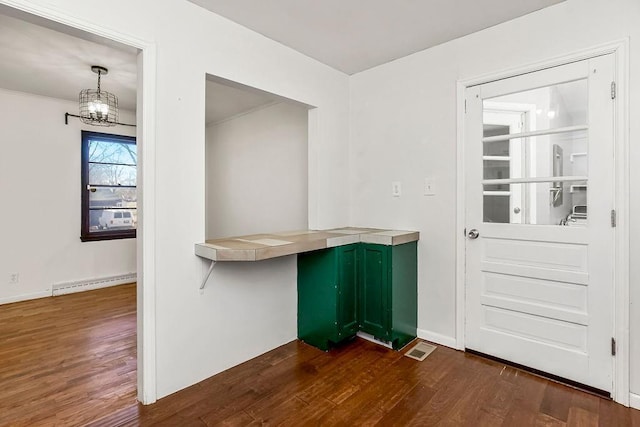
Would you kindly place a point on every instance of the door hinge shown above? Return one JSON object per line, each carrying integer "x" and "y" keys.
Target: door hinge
{"x": 613, "y": 218}
{"x": 465, "y": 106}
{"x": 613, "y": 346}
{"x": 613, "y": 90}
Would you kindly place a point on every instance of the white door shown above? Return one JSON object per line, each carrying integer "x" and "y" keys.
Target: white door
{"x": 539, "y": 247}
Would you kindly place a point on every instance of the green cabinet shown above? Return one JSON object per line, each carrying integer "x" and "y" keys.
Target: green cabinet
{"x": 362, "y": 286}
{"x": 327, "y": 295}
{"x": 373, "y": 315}
{"x": 388, "y": 292}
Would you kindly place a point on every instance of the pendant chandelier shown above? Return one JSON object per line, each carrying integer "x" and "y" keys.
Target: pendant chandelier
{"x": 98, "y": 107}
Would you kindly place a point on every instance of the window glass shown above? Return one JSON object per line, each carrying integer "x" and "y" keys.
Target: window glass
{"x": 537, "y": 203}
{"x": 109, "y": 193}
{"x": 538, "y": 178}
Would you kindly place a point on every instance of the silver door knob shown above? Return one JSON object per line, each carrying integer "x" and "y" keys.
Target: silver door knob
{"x": 516, "y": 210}
{"x": 473, "y": 233}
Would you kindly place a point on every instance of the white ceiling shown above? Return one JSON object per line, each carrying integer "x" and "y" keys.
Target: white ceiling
{"x": 45, "y": 58}
{"x": 48, "y": 59}
{"x": 355, "y": 35}
{"x": 39, "y": 60}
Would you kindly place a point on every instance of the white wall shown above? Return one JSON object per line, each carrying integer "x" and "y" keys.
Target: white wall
{"x": 256, "y": 166}
{"x": 40, "y": 193}
{"x": 403, "y": 127}
{"x": 246, "y": 309}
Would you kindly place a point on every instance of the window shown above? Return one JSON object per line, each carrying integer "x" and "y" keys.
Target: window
{"x": 109, "y": 195}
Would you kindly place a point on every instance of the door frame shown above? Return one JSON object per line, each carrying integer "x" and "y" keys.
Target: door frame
{"x": 146, "y": 130}
{"x": 620, "y": 48}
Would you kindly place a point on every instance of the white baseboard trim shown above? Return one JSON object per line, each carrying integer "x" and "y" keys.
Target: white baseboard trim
{"x": 25, "y": 297}
{"x": 437, "y": 338}
{"x": 634, "y": 400}
{"x": 91, "y": 284}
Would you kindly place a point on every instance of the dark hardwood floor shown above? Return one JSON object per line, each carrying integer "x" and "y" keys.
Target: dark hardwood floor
{"x": 70, "y": 361}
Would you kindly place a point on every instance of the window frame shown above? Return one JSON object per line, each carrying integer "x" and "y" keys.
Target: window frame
{"x": 86, "y": 235}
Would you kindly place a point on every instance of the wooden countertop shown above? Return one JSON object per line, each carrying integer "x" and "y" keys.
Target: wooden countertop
{"x": 258, "y": 247}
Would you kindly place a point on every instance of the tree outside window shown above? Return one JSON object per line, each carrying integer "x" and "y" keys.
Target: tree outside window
{"x": 109, "y": 194}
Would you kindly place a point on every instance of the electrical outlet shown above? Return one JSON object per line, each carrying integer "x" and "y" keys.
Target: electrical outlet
{"x": 14, "y": 278}
{"x": 429, "y": 187}
{"x": 396, "y": 189}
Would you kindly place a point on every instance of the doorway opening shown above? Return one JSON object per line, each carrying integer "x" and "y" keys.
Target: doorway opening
{"x": 50, "y": 63}
{"x": 256, "y": 161}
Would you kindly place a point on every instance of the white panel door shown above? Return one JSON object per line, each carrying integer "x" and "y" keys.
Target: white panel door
{"x": 539, "y": 196}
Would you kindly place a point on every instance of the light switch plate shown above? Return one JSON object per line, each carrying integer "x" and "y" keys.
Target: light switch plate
{"x": 429, "y": 187}
{"x": 396, "y": 188}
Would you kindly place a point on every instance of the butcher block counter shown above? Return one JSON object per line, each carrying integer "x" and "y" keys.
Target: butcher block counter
{"x": 259, "y": 247}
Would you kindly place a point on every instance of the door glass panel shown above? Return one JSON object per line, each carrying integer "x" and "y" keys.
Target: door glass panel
{"x": 537, "y": 203}
{"x": 547, "y": 107}
{"x": 503, "y": 159}
{"x": 563, "y": 154}
{"x": 557, "y": 154}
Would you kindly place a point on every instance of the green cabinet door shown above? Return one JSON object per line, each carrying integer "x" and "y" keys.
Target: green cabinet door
{"x": 374, "y": 290}
{"x": 327, "y": 295}
{"x": 347, "y": 290}
{"x": 388, "y": 292}
{"x": 404, "y": 294}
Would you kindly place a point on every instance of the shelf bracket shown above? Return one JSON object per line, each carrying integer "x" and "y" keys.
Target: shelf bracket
{"x": 206, "y": 277}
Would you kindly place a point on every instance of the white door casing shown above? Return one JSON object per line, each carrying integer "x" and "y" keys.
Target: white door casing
{"x": 538, "y": 294}
{"x": 146, "y": 122}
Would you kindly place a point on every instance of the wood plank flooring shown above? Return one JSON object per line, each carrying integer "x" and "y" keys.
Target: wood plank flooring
{"x": 70, "y": 361}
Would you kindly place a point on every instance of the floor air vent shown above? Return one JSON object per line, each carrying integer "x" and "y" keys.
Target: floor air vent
{"x": 420, "y": 351}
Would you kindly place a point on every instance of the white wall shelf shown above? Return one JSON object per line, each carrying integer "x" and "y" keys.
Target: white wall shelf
{"x": 497, "y": 158}
{"x": 572, "y": 156}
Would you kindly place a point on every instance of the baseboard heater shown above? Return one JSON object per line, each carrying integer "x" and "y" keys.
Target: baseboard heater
{"x": 90, "y": 284}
